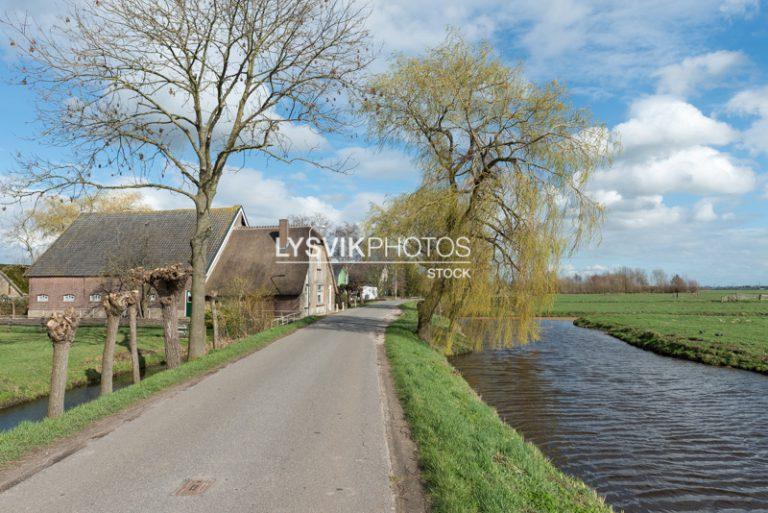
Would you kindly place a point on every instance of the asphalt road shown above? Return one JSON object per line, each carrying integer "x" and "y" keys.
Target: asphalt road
{"x": 296, "y": 427}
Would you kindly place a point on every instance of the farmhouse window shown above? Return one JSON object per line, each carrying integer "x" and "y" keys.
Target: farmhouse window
{"x": 95, "y": 298}
{"x": 42, "y": 298}
{"x": 69, "y": 298}
{"x": 320, "y": 294}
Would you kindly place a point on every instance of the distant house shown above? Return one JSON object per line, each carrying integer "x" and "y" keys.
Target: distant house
{"x": 93, "y": 255}
{"x": 8, "y": 287}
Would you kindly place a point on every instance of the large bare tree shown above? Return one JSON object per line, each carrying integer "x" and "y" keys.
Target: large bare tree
{"x": 163, "y": 93}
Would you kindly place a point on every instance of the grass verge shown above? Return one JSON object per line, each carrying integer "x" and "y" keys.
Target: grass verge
{"x": 28, "y": 436}
{"x": 737, "y": 354}
{"x": 471, "y": 460}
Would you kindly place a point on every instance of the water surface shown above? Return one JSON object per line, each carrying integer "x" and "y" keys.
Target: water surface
{"x": 38, "y": 409}
{"x": 650, "y": 433}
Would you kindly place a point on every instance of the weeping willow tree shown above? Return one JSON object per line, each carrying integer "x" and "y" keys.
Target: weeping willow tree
{"x": 504, "y": 163}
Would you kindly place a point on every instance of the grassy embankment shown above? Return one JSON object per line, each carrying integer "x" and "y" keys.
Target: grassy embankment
{"x": 28, "y": 436}
{"x": 695, "y": 327}
{"x": 26, "y": 355}
{"x": 471, "y": 460}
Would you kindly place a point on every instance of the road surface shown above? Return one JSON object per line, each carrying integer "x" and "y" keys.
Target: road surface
{"x": 296, "y": 427}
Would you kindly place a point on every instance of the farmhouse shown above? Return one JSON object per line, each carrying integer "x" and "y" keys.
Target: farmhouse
{"x": 8, "y": 288}
{"x": 94, "y": 255}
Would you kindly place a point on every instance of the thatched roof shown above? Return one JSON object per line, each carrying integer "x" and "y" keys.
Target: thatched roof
{"x": 249, "y": 264}
{"x": 99, "y": 244}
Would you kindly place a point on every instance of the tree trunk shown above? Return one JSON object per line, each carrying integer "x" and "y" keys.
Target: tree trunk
{"x": 133, "y": 342}
{"x": 108, "y": 357}
{"x": 215, "y": 319}
{"x": 171, "y": 331}
{"x": 199, "y": 263}
{"x": 426, "y": 310}
{"x": 58, "y": 379}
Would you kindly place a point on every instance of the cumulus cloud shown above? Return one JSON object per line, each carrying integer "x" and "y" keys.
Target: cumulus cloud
{"x": 643, "y": 212}
{"x": 670, "y": 148}
{"x": 694, "y": 170}
{"x": 753, "y": 103}
{"x": 693, "y": 72}
{"x": 663, "y": 123}
{"x": 267, "y": 199}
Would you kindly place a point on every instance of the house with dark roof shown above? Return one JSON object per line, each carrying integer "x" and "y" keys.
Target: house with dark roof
{"x": 8, "y": 288}
{"x": 93, "y": 255}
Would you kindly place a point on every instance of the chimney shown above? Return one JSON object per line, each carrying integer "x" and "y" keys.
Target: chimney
{"x": 282, "y": 234}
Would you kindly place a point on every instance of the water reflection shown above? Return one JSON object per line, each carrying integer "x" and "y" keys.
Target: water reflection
{"x": 38, "y": 409}
{"x": 649, "y": 433}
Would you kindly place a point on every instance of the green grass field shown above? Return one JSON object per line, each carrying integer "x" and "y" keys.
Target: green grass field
{"x": 697, "y": 327}
{"x": 472, "y": 461}
{"x": 26, "y": 353}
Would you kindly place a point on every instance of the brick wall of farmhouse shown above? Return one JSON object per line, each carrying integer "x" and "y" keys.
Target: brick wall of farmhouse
{"x": 82, "y": 288}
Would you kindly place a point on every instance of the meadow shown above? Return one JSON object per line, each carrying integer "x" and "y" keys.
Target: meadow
{"x": 697, "y": 327}
{"x": 26, "y": 356}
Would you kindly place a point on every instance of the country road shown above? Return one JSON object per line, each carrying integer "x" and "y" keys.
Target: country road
{"x": 296, "y": 427}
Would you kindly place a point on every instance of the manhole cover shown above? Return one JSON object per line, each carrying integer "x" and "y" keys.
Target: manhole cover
{"x": 194, "y": 487}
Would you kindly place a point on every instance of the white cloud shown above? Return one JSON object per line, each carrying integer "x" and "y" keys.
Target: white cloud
{"x": 267, "y": 199}
{"x": 643, "y": 212}
{"x": 384, "y": 164}
{"x": 702, "y": 70}
{"x": 753, "y": 102}
{"x": 606, "y": 198}
{"x": 740, "y": 8}
{"x": 663, "y": 123}
{"x": 408, "y": 26}
{"x": 667, "y": 149}
{"x": 264, "y": 199}
{"x": 693, "y": 170}
{"x": 704, "y": 211}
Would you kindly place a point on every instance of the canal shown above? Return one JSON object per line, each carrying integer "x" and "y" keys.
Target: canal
{"x": 38, "y": 409}
{"x": 650, "y": 433}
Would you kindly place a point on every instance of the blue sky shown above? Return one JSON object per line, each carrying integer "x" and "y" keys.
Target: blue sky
{"x": 683, "y": 84}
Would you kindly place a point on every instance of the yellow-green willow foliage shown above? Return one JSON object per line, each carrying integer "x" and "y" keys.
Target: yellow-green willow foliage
{"x": 505, "y": 163}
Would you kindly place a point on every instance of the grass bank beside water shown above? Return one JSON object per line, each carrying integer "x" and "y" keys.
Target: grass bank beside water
{"x": 471, "y": 460}
{"x": 28, "y": 436}
{"x": 698, "y": 327}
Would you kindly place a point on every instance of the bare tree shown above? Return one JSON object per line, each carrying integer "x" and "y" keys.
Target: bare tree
{"x": 162, "y": 93}
{"x": 114, "y": 305}
{"x": 677, "y": 285}
{"x": 660, "y": 280}
{"x": 20, "y": 230}
{"x": 169, "y": 282}
{"x": 61, "y": 328}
